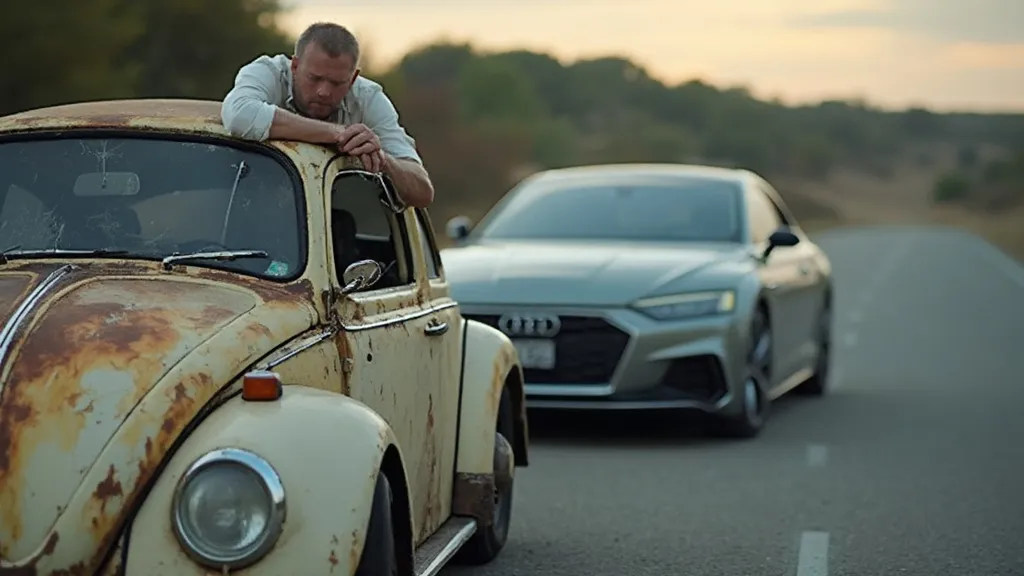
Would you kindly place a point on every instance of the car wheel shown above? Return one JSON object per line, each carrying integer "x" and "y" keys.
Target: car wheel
{"x": 755, "y": 404}
{"x": 817, "y": 384}
{"x": 378, "y": 558}
{"x": 488, "y": 541}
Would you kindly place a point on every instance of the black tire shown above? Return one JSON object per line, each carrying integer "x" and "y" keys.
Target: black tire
{"x": 756, "y": 405}
{"x": 488, "y": 541}
{"x": 378, "y": 557}
{"x": 817, "y": 384}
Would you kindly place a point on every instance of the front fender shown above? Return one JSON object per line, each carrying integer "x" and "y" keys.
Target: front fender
{"x": 326, "y": 447}
{"x": 489, "y": 364}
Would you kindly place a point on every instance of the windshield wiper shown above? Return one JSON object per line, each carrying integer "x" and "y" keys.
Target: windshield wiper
{"x": 12, "y": 253}
{"x": 223, "y": 255}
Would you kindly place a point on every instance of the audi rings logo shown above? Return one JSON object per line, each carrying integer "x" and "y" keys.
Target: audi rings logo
{"x": 541, "y": 325}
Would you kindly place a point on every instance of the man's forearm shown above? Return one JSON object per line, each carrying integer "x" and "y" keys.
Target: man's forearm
{"x": 290, "y": 126}
{"x": 411, "y": 181}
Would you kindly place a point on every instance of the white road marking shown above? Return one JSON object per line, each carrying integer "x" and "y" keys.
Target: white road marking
{"x": 888, "y": 265}
{"x": 817, "y": 456}
{"x": 813, "y": 559}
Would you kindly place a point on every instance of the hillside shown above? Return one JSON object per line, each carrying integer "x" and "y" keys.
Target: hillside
{"x": 484, "y": 120}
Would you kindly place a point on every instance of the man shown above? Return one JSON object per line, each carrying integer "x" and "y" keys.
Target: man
{"x": 318, "y": 96}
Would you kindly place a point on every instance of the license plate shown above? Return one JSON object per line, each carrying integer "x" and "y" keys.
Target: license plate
{"x": 538, "y": 354}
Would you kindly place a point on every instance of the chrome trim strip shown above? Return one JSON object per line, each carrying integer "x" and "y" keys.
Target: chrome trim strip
{"x": 274, "y": 487}
{"x": 26, "y": 306}
{"x": 303, "y": 344}
{"x": 449, "y": 550}
{"x": 398, "y": 320}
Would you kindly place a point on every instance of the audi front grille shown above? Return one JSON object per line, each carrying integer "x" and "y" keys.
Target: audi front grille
{"x": 587, "y": 350}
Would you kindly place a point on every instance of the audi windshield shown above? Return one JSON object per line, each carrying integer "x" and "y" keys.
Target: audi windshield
{"x": 149, "y": 198}
{"x": 680, "y": 210}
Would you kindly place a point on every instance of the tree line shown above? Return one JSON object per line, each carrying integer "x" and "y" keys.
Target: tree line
{"x": 482, "y": 120}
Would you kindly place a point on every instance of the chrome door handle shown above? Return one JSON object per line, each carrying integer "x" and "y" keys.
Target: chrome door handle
{"x": 435, "y": 328}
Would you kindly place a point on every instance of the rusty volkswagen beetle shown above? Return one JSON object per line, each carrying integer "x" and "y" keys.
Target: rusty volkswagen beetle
{"x": 223, "y": 356}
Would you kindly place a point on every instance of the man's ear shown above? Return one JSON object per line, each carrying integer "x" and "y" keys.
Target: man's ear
{"x": 295, "y": 64}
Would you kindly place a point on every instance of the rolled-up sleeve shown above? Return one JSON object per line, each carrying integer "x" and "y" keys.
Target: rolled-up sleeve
{"x": 248, "y": 109}
{"x": 382, "y": 117}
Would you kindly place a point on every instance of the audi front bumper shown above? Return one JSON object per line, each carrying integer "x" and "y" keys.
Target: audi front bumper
{"x": 617, "y": 358}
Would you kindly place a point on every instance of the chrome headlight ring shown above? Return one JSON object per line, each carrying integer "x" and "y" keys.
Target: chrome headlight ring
{"x": 228, "y": 509}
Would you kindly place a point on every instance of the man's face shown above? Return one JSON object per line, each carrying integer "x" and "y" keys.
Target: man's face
{"x": 320, "y": 82}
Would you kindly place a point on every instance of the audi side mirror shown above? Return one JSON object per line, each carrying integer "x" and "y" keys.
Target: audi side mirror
{"x": 781, "y": 237}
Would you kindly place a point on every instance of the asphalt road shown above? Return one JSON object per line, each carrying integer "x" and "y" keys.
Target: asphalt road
{"x": 913, "y": 465}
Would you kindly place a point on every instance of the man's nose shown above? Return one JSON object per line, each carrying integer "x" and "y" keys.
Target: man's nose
{"x": 323, "y": 90}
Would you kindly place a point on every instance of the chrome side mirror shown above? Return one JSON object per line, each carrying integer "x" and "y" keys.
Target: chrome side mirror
{"x": 360, "y": 274}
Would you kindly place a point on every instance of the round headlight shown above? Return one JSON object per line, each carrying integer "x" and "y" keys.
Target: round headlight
{"x": 228, "y": 508}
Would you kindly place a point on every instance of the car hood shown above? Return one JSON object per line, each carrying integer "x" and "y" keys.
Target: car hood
{"x": 102, "y": 368}
{"x": 586, "y": 274}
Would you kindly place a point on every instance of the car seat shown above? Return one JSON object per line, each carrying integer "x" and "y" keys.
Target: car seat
{"x": 343, "y": 240}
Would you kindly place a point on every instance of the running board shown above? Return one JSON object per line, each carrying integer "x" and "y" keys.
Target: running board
{"x": 436, "y": 551}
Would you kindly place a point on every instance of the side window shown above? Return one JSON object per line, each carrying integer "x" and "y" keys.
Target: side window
{"x": 428, "y": 244}
{"x": 362, "y": 228}
{"x": 763, "y": 216}
{"x": 773, "y": 204}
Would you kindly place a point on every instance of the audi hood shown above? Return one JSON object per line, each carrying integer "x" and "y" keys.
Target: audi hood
{"x": 587, "y": 273}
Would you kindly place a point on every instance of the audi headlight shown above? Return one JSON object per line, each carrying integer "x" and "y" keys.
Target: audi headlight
{"x": 228, "y": 509}
{"x": 682, "y": 306}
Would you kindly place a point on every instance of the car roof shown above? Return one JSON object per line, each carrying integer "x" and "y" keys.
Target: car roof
{"x": 638, "y": 172}
{"x": 197, "y": 116}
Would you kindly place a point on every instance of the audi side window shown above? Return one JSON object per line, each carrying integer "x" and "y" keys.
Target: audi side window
{"x": 763, "y": 220}
{"x": 775, "y": 207}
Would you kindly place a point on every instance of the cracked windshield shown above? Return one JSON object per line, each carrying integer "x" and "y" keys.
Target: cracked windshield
{"x": 497, "y": 288}
{"x": 149, "y": 198}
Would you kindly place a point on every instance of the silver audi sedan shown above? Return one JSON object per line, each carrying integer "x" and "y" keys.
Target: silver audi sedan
{"x": 650, "y": 286}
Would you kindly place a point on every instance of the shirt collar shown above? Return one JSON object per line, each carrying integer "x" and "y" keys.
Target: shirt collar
{"x": 290, "y": 100}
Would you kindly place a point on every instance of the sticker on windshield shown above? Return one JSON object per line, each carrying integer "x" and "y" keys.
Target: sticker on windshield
{"x": 277, "y": 268}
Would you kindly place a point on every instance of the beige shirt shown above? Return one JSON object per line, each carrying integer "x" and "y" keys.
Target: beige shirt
{"x": 266, "y": 83}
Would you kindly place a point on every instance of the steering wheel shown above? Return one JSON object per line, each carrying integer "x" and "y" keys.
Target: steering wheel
{"x": 202, "y": 246}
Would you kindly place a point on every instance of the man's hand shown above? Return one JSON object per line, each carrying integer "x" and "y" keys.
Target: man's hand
{"x": 359, "y": 140}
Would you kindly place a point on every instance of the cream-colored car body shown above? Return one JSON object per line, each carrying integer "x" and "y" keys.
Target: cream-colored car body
{"x": 96, "y": 432}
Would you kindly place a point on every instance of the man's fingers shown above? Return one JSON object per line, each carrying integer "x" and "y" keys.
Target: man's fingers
{"x": 357, "y": 141}
{"x": 366, "y": 148}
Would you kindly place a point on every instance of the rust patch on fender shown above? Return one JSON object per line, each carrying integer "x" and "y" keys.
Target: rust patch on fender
{"x": 473, "y": 496}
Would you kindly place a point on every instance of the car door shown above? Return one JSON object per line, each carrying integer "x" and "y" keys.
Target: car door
{"x": 441, "y": 365}
{"x": 779, "y": 276}
{"x": 384, "y": 341}
{"x": 808, "y": 293}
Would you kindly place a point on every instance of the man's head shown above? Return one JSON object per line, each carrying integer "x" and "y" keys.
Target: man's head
{"x": 325, "y": 64}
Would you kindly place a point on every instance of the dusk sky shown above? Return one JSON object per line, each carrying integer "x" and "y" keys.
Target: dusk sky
{"x": 946, "y": 54}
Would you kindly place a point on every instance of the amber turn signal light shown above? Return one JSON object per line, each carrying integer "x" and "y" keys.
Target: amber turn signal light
{"x": 261, "y": 386}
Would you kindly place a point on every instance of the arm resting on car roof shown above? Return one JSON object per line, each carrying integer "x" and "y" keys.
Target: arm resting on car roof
{"x": 249, "y": 112}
